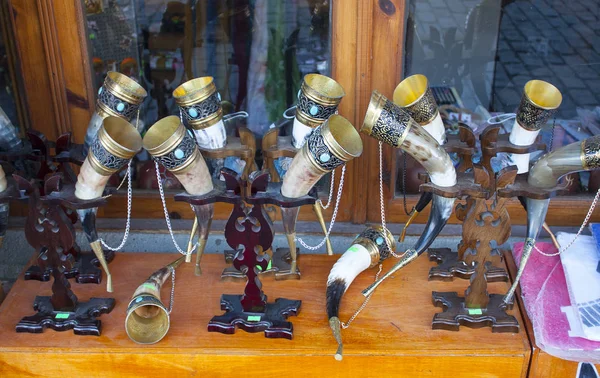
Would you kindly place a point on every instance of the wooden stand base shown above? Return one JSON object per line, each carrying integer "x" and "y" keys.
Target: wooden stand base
{"x": 280, "y": 266}
{"x": 449, "y": 267}
{"x": 82, "y": 319}
{"x": 391, "y": 337}
{"x": 456, "y": 314}
{"x": 272, "y": 321}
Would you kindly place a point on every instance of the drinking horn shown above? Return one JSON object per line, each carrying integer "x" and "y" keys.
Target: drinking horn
{"x": 318, "y": 99}
{"x": 200, "y": 106}
{"x": 390, "y": 124}
{"x": 415, "y": 97}
{"x": 539, "y": 102}
{"x": 367, "y": 250}
{"x": 327, "y": 147}
{"x": 116, "y": 143}
{"x": 119, "y": 96}
{"x": 545, "y": 173}
{"x": 147, "y": 320}
{"x": 172, "y": 146}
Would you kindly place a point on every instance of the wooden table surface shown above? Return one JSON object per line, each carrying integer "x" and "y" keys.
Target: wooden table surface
{"x": 391, "y": 337}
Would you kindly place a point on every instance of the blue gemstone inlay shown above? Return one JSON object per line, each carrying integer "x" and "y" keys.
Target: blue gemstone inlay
{"x": 100, "y": 91}
{"x": 379, "y": 240}
{"x": 120, "y": 107}
{"x": 193, "y": 112}
{"x": 179, "y": 153}
{"x": 219, "y": 96}
{"x": 324, "y": 157}
{"x": 138, "y": 299}
{"x": 314, "y": 110}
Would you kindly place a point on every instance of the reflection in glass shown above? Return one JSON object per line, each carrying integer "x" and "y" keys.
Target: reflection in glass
{"x": 478, "y": 55}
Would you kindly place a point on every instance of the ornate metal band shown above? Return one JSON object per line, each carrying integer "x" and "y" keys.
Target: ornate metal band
{"x": 205, "y": 113}
{"x": 180, "y": 156}
{"x": 425, "y": 109}
{"x": 590, "y": 153}
{"x": 320, "y": 153}
{"x": 392, "y": 126}
{"x": 116, "y": 106}
{"x": 377, "y": 239}
{"x": 311, "y": 112}
{"x": 109, "y": 163}
{"x": 144, "y": 298}
{"x": 532, "y": 117}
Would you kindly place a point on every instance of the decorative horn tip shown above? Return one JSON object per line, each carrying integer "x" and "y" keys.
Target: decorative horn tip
{"x": 198, "y": 271}
{"x": 188, "y": 257}
{"x": 178, "y": 262}
{"x": 336, "y": 328}
{"x": 109, "y": 286}
{"x": 413, "y": 214}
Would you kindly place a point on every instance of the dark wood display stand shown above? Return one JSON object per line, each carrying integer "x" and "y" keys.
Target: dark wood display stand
{"x": 385, "y": 340}
{"x": 250, "y": 232}
{"x": 50, "y": 231}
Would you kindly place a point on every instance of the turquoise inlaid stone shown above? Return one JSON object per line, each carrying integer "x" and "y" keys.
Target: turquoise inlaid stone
{"x": 138, "y": 299}
{"x": 120, "y": 107}
{"x": 219, "y": 96}
{"x": 193, "y": 112}
{"x": 100, "y": 91}
{"x": 314, "y": 110}
{"x": 379, "y": 240}
{"x": 324, "y": 157}
{"x": 178, "y": 153}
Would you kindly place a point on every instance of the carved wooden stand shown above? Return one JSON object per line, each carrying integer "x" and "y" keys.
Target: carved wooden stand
{"x": 50, "y": 231}
{"x": 486, "y": 225}
{"x": 85, "y": 267}
{"x": 249, "y": 230}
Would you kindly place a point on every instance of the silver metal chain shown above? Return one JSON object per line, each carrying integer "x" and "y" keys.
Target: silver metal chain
{"x": 382, "y": 204}
{"x": 167, "y": 218}
{"x": 172, "y": 289}
{"x": 129, "y": 199}
{"x": 585, "y": 222}
{"x": 333, "y": 216}
{"x": 364, "y": 304}
{"x": 128, "y": 221}
{"x": 330, "y": 192}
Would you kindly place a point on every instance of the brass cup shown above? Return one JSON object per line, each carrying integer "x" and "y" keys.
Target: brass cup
{"x": 199, "y": 102}
{"x": 147, "y": 320}
{"x": 120, "y": 96}
{"x": 386, "y": 121}
{"x": 539, "y": 102}
{"x": 414, "y": 95}
{"x": 169, "y": 142}
{"x": 335, "y": 143}
{"x": 318, "y": 99}
{"x": 374, "y": 240}
{"x": 117, "y": 141}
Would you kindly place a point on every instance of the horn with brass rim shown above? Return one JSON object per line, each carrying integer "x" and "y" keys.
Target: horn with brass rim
{"x": 116, "y": 143}
{"x": 147, "y": 320}
{"x": 545, "y": 173}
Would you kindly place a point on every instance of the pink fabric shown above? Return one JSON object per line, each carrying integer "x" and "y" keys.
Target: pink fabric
{"x": 544, "y": 292}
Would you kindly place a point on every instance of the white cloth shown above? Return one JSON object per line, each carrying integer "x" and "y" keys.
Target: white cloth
{"x": 583, "y": 282}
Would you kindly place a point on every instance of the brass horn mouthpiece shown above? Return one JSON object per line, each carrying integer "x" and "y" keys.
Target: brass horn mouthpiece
{"x": 148, "y": 319}
{"x": 409, "y": 256}
{"x": 336, "y": 328}
{"x": 97, "y": 248}
{"x": 413, "y": 214}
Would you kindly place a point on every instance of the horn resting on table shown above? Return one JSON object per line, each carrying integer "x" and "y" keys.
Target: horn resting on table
{"x": 368, "y": 249}
{"x": 545, "y": 173}
{"x": 147, "y": 320}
